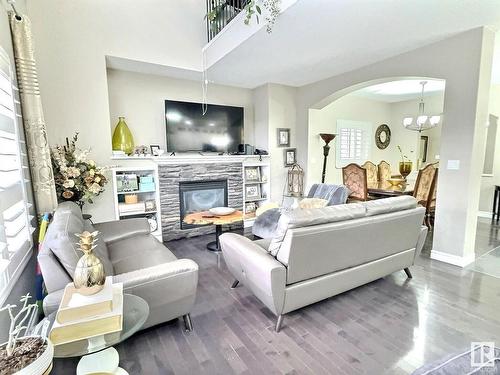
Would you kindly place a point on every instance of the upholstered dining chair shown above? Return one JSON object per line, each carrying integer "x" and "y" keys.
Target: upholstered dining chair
{"x": 355, "y": 178}
{"x": 425, "y": 190}
{"x": 384, "y": 171}
{"x": 371, "y": 172}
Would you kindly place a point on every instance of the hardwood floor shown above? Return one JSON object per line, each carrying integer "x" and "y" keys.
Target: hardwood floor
{"x": 390, "y": 326}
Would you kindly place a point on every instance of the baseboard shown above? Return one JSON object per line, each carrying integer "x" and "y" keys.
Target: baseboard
{"x": 485, "y": 214}
{"x": 452, "y": 259}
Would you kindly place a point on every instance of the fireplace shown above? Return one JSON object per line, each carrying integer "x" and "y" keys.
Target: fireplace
{"x": 195, "y": 196}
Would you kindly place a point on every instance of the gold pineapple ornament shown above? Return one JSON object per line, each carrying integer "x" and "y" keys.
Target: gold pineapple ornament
{"x": 89, "y": 274}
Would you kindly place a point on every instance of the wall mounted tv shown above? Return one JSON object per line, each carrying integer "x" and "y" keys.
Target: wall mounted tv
{"x": 188, "y": 130}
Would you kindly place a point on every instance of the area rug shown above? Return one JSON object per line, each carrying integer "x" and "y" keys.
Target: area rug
{"x": 468, "y": 362}
{"x": 488, "y": 263}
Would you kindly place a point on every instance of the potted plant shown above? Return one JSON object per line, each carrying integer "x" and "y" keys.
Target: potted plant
{"x": 25, "y": 355}
{"x": 77, "y": 177}
{"x": 405, "y": 164}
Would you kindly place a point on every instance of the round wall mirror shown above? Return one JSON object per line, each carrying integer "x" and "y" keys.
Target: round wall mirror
{"x": 383, "y": 136}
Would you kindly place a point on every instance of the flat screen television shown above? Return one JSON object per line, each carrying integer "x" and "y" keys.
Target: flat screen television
{"x": 220, "y": 129}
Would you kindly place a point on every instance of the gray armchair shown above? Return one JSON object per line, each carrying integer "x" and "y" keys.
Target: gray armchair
{"x": 265, "y": 225}
{"x": 130, "y": 254}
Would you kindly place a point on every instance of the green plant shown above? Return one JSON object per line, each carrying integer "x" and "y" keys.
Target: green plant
{"x": 252, "y": 9}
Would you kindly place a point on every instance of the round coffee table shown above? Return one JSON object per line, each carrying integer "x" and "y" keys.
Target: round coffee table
{"x": 135, "y": 314}
{"x": 206, "y": 218}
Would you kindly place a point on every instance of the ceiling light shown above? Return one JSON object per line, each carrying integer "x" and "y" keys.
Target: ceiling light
{"x": 188, "y": 122}
{"x": 421, "y": 121}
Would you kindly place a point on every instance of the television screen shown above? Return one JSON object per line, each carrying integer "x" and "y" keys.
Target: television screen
{"x": 188, "y": 130}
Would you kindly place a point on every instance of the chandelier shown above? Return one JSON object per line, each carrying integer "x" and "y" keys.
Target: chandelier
{"x": 421, "y": 121}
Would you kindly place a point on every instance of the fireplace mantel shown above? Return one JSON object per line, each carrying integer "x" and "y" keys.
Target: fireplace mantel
{"x": 195, "y": 158}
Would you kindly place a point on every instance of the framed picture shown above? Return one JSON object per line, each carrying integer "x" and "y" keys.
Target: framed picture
{"x": 283, "y": 137}
{"x": 150, "y": 205}
{"x": 250, "y": 207}
{"x": 252, "y": 192}
{"x": 154, "y": 149}
{"x": 290, "y": 157}
{"x": 424, "y": 142}
{"x": 252, "y": 174}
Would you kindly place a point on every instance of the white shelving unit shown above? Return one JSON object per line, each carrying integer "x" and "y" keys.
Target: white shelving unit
{"x": 263, "y": 184}
{"x": 142, "y": 196}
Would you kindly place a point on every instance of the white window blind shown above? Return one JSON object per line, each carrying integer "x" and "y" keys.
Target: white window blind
{"x": 353, "y": 142}
{"x": 17, "y": 219}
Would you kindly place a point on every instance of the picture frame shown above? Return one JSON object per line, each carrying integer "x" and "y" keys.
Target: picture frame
{"x": 154, "y": 149}
{"x": 424, "y": 143}
{"x": 290, "y": 156}
{"x": 150, "y": 205}
{"x": 283, "y": 137}
{"x": 252, "y": 174}
{"x": 252, "y": 192}
{"x": 250, "y": 207}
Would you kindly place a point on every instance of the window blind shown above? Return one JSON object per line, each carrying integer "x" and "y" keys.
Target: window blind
{"x": 353, "y": 142}
{"x": 17, "y": 219}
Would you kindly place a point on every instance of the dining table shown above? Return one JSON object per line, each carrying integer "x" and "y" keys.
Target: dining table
{"x": 385, "y": 189}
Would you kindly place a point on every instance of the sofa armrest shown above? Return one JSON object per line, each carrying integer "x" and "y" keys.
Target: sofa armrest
{"x": 420, "y": 241}
{"x": 255, "y": 268}
{"x": 112, "y": 231}
{"x": 168, "y": 288}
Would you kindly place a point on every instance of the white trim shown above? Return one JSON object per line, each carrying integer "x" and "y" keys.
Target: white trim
{"x": 485, "y": 214}
{"x": 452, "y": 259}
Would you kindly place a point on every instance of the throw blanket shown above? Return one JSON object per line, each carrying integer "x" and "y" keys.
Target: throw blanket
{"x": 334, "y": 194}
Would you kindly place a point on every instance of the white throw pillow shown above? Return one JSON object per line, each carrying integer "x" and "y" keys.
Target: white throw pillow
{"x": 313, "y": 203}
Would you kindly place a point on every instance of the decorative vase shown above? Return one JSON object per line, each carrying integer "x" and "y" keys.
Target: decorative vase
{"x": 122, "y": 137}
{"x": 89, "y": 274}
{"x": 405, "y": 168}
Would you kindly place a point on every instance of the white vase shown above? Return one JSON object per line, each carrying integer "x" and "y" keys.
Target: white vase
{"x": 43, "y": 364}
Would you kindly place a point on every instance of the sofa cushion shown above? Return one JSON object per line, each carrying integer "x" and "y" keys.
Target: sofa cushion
{"x": 387, "y": 205}
{"x": 313, "y": 216}
{"x": 138, "y": 252}
{"x": 313, "y": 203}
{"x": 61, "y": 240}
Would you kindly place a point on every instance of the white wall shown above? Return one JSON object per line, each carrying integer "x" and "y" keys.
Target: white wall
{"x": 488, "y": 182}
{"x": 72, "y": 39}
{"x": 141, "y": 99}
{"x": 463, "y": 129}
{"x": 352, "y": 107}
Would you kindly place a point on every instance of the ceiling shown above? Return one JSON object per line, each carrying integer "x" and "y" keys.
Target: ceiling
{"x": 316, "y": 39}
{"x": 397, "y": 91}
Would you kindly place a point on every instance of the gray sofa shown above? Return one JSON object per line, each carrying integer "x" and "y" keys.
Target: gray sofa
{"x": 318, "y": 253}
{"x": 130, "y": 254}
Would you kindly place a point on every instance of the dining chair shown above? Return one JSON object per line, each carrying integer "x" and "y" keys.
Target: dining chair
{"x": 425, "y": 191}
{"x": 371, "y": 173}
{"x": 384, "y": 171}
{"x": 354, "y": 177}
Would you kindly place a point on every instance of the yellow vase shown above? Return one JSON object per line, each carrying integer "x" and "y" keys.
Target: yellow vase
{"x": 122, "y": 137}
{"x": 405, "y": 168}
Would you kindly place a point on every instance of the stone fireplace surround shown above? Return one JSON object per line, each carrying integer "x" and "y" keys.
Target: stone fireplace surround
{"x": 171, "y": 174}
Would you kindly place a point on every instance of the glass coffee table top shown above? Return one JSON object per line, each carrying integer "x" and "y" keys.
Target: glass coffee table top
{"x": 135, "y": 313}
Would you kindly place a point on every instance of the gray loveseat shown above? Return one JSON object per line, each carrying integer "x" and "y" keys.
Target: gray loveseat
{"x": 318, "y": 253}
{"x": 130, "y": 254}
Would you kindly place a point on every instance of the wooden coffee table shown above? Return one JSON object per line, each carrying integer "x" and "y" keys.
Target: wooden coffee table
{"x": 206, "y": 218}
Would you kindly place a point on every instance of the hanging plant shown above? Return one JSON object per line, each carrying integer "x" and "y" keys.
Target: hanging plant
{"x": 252, "y": 9}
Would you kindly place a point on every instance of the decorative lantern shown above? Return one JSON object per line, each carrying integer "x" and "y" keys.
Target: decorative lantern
{"x": 295, "y": 183}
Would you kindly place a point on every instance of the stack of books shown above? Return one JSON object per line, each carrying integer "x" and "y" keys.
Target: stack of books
{"x": 81, "y": 317}
{"x": 131, "y": 208}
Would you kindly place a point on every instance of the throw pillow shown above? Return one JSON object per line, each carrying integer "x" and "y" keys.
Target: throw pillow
{"x": 313, "y": 203}
{"x": 279, "y": 234}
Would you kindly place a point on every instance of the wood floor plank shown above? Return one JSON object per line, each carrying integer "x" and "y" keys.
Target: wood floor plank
{"x": 390, "y": 326}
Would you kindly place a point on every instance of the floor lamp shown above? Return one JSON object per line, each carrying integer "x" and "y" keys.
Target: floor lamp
{"x": 326, "y": 150}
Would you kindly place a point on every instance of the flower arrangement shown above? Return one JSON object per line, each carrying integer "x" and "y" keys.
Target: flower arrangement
{"x": 404, "y": 158}
{"x": 77, "y": 177}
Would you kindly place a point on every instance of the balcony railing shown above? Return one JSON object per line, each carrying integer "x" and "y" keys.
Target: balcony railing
{"x": 220, "y": 13}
